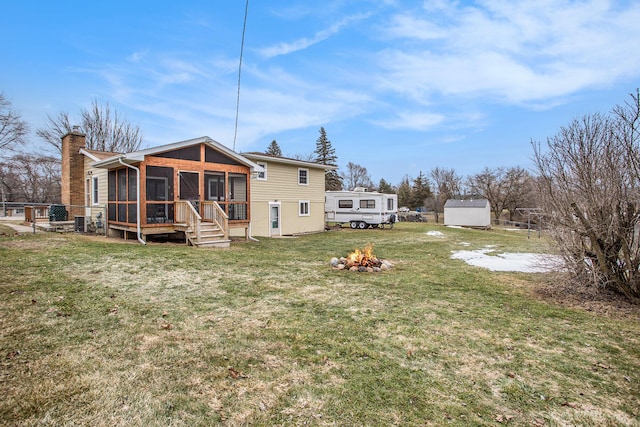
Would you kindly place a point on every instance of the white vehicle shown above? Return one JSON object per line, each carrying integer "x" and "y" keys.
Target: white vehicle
{"x": 361, "y": 208}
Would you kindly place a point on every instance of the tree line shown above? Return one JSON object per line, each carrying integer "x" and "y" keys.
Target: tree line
{"x": 30, "y": 176}
{"x": 507, "y": 189}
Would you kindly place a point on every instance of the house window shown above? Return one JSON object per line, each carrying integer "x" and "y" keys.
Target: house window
{"x": 303, "y": 208}
{"x": 367, "y": 204}
{"x": 95, "y": 193}
{"x": 303, "y": 176}
{"x": 262, "y": 176}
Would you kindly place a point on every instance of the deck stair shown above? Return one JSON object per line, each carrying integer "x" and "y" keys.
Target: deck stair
{"x": 210, "y": 236}
{"x": 207, "y": 231}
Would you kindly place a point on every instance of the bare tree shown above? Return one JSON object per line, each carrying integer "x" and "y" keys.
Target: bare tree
{"x": 13, "y": 130}
{"x": 356, "y": 176}
{"x": 105, "y": 130}
{"x": 447, "y": 186}
{"x": 31, "y": 178}
{"x": 504, "y": 188}
{"x": 590, "y": 185}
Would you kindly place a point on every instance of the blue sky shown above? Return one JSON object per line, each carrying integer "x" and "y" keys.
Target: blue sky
{"x": 399, "y": 86}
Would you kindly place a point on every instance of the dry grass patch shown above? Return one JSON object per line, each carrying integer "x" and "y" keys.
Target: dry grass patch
{"x": 96, "y": 332}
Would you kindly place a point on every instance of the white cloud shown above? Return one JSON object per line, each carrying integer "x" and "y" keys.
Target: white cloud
{"x": 412, "y": 120}
{"x": 517, "y": 52}
{"x": 305, "y": 42}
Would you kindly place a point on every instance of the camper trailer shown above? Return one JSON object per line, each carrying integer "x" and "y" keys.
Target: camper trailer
{"x": 361, "y": 208}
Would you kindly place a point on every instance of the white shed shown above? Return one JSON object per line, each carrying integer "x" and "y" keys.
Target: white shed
{"x": 467, "y": 213}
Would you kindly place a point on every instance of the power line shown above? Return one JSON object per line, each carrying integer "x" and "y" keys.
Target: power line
{"x": 244, "y": 28}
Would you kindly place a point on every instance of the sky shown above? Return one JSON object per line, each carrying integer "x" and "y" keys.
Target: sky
{"x": 400, "y": 87}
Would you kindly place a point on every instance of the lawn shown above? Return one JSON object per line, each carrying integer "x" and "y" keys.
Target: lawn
{"x": 104, "y": 332}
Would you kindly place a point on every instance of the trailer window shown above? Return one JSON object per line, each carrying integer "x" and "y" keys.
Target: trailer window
{"x": 345, "y": 204}
{"x": 389, "y": 204}
{"x": 367, "y": 204}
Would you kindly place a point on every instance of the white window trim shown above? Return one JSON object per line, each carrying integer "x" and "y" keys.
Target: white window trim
{"x": 264, "y": 177}
{"x": 302, "y": 203}
{"x": 95, "y": 191}
{"x": 303, "y": 183}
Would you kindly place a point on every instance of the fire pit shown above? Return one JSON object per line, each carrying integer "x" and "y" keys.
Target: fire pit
{"x": 361, "y": 260}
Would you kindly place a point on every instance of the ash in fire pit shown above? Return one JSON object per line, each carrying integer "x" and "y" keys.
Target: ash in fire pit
{"x": 361, "y": 260}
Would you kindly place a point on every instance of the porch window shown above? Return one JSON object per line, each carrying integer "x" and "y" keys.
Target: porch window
{"x": 303, "y": 208}
{"x": 303, "y": 176}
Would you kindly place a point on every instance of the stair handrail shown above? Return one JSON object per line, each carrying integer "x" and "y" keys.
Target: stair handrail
{"x": 188, "y": 213}
{"x": 216, "y": 215}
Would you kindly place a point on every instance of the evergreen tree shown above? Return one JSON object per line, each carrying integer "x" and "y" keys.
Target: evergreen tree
{"x": 420, "y": 191}
{"x": 385, "y": 187}
{"x": 274, "y": 149}
{"x": 326, "y": 155}
{"x": 404, "y": 192}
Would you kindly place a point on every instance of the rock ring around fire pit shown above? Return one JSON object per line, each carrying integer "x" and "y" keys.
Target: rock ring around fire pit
{"x": 362, "y": 261}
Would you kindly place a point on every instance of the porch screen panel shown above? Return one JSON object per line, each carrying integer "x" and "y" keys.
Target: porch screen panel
{"x": 186, "y": 153}
{"x": 112, "y": 185}
{"x": 159, "y": 183}
{"x": 132, "y": 213}
{"x": 122, "y": 185}
{"x": 122, "y": 212}
{"x": 132, "y": 186}
{"x": 112, "y": 212}
{"x": 214, "y": 186}
{"x": 238, "y": 196}
{"x": 189, "y": 186}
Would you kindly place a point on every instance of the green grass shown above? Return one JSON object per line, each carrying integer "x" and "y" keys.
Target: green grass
{"x": 101, "y": 332}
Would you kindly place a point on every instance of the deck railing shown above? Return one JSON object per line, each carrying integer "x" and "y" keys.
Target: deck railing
{"x": 212, "y": 212}
{"x": 187, "y": 214}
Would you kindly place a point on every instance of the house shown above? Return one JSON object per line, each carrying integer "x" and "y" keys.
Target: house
{"x": 197, "y": 187}
{"x": 467, "y": 213}
{"x": 287, "y": 196}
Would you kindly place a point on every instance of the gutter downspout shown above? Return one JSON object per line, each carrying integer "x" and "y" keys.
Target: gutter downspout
{"x": 137, "y": 198}
{"x": 250, "y": 236}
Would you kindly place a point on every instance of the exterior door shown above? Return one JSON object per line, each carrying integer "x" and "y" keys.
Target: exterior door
{"x": 189, "y": 184}
{"x": 274, "y": 219}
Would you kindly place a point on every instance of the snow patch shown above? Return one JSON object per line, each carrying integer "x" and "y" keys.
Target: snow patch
{"x": 435, "y": 233}
{"x": 520, "y": 262}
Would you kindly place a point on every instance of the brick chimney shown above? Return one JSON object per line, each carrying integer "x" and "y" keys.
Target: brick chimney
{"x": 72, "y": 182}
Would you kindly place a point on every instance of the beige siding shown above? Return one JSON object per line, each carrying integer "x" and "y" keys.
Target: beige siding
{"x": 282, "y": 186}
{"x": 103, "y": 185}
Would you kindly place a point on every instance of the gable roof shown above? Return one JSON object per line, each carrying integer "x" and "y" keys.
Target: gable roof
{"x": 96, "y": 155}
{"x": 262, "y": 157}
{"x": 138, "y": 156}
{"x": 473, "y": 203}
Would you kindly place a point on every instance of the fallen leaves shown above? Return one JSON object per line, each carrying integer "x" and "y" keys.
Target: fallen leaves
{"x": 503, "y": 419}
{"x": 235, "y": 374}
